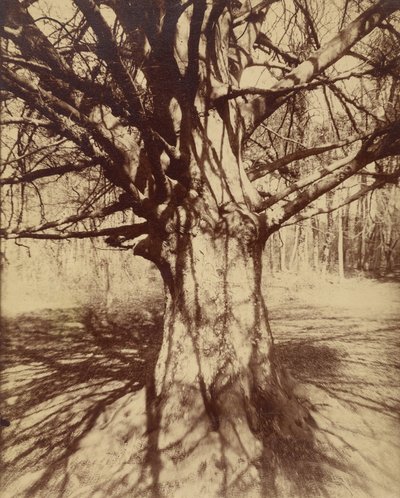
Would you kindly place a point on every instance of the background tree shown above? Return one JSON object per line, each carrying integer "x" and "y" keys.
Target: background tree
{"x": 191, "y": 132}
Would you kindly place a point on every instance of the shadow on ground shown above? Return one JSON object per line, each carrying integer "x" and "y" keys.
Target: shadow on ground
{"x": 347, "y": 361}
{"x": 63, "y": 369}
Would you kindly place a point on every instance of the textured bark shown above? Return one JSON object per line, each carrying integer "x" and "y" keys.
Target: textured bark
{"x": 219, "y": 392}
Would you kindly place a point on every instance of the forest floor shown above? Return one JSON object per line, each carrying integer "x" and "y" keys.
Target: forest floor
{"x": 65, "y": 371}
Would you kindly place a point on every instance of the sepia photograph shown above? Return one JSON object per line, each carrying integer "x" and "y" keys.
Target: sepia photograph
{"x": 200, "y": 249}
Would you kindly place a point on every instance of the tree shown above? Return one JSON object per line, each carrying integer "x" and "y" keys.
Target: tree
{"x": 156, "y": 108}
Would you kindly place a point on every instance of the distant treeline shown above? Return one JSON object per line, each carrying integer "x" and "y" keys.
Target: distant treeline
{"x": 359, "y": 237}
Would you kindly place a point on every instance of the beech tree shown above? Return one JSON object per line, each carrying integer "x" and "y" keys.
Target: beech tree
{"x": 152, "y": 110}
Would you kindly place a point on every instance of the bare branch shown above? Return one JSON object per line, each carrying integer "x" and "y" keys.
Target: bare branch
{"x": 389, "y": 178}
{"x": 121, "y": 205}
{"x": 126, "y": 231}
{"x": 313, "y": 177}
{"x": 75, "y": 126}
{"x": 287, "y": 139}
{"x": 26, "y": 121}
{"x": 48, "y": 105}
{"x": 30, "y": 153}
{"x": 98, "y": 93}
{"x": 109, "y": 51}
{"x": 46, "y": 172}
{"x": 263, "y": 168}
{"x": 279, "y": 91}
{"x": 249, "y": 15}
{"x": 259, "y": 108}
{"x": 263, "y": 41}
{"x": 382, "y": 143}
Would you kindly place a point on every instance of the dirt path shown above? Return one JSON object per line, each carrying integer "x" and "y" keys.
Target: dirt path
{"x": 343, "y": 344}
{"x": 67, "y": 372}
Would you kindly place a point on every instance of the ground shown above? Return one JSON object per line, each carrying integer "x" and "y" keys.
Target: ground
{"x": 72, "y": 389}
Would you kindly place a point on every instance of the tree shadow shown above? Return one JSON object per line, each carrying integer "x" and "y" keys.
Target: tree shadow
{"x": 299, "y": 465}
{"x": 61, "y": 370}
{"x": 356, "y": 429}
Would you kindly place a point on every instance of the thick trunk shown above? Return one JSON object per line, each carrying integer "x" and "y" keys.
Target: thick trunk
{"x": 216, "y": 342}
{"x": 219, "y": 392}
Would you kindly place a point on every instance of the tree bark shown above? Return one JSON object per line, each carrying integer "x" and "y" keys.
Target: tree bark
{"x": 340, "y": 246}
{"x": 315, "y": 237}
{"x": 293, "y": 257}
{"x": 219, "y": 391}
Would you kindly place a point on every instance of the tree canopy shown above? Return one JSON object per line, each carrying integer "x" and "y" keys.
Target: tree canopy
{"x": 99, "y": 97}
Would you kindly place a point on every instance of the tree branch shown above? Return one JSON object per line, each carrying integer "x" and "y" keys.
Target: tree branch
{"x": 126, "y": 231}
{"x": 263, "y": 40}
{"x": 46, "y": 172}
{"x": 109, "y": 51}
{"x": 389, "y": 178}
{"x": 263, "y": 168}
{"x": 110, "y": 54}
{"x": 259, "y": 108}
{"x": 72, "y": 124}
{"x": 26, "y": 121}
{"x": 304, "y": 182}
{"x": 382, "y": 143}
{"x": 99, "y": 94}
{"x": 30, "y": 153}
{"x": 121, "y": 205}
{"x": 280, "y": 91}
{"x": 247, "y": 16}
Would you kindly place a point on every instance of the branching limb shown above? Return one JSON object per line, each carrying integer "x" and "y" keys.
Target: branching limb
{"x": 30, "y": 153}
{"x": 310, "y": 213}
{"x": 46, "y": 172}
{"x": 259, "y": 108}
{"x": 282, "y": 90}
{"x": 382, "y": 143}
{"x": 263, "y": 41}
{"x": 308, "y": 180}
{"x": 249, "y": 15}
{"x": 125, "y": 231}
{"x": 72, "y": 124}
{"x": 26, "y": 121}
{"x": 261, "y": 169}
{"x": 51, "y": 105}
{"x": 109, "y": 52}
{"x": 100, "y": 94}
{"x": 75, "y": 218}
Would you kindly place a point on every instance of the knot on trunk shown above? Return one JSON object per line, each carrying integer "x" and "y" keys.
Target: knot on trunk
{"x": 239, "y": 222}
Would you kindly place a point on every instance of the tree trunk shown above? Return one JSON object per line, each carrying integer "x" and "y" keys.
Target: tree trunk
{"x": 346, "y": 235}
{"x": 326, "y": 250}
{"x": 361, "y": 232}
{"x": 282, "y": 250}
{"x": 293, "y": 257}
{"x": 219, "y": 391}
{"x": 215, "y": 334}
{"x": 340, "y": 245}
{"x": 315, "y": 237}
